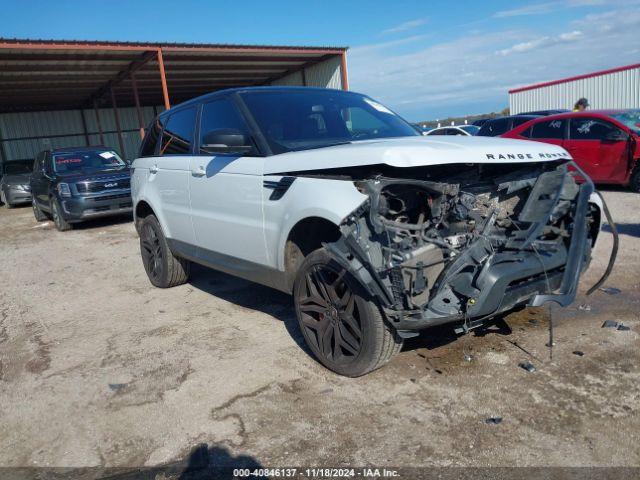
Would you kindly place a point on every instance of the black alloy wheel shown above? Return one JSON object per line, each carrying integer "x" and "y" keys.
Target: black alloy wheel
{"x": 329, "y": 314}
{"x": 342, "y": 325}
{"x": 152, "y": 254}
{"x": 163, "y": 268}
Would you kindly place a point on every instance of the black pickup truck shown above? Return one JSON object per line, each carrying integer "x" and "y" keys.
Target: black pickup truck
{"x": 71, "y": 185}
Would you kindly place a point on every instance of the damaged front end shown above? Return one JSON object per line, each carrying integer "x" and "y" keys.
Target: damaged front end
{"x": 467, "y": 242}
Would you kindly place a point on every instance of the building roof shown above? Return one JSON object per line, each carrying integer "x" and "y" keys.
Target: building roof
{"x": 572, "y": 79}
{"x": 62, "y": 74}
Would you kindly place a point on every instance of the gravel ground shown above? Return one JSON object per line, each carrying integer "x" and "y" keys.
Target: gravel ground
{"x": 98, "y": 368}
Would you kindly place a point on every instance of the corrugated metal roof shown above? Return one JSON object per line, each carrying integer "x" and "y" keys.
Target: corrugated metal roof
{"x": 38, "y": 74}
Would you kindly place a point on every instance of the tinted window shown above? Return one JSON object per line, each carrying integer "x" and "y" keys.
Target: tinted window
{"x": 299, "y": 120}
{"x": 549, "y": 129}
{"x": 177, "y": 135}
{"x": 440, "y": 131}
{"x": 151, "y": 137}
{"x": 493, "y": 128}
{"x": 220, "y": 114}
{"x": 590, "y": 129}
{"x": 517, "y": 121}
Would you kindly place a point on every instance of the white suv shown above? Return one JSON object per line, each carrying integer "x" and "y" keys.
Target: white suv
{"x": 378, "y": 231}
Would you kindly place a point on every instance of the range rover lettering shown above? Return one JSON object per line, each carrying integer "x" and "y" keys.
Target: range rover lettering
{"x": 377, "y": 231}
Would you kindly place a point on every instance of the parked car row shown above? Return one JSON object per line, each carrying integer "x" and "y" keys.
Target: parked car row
{"x": 69, "y": 185}
{"x": 377, "y": 231}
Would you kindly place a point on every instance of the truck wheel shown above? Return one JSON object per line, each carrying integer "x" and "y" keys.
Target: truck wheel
{"x": 344, "y": 328}
{"x": 56, "y": 212}
{"x": 634, "y": 184}
{"x": 163, "y": 268}
{"x": 39, "y": 214}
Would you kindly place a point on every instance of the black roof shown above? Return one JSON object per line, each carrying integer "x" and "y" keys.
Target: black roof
{"x": 229, "y": 91}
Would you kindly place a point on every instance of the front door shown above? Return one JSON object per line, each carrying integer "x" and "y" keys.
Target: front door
{"x": 226, "y": 195}
{"x": 39, "y": 182}
{"x": 593, "y": 144}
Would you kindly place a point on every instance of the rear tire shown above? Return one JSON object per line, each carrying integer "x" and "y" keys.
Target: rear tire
{"x": 163, "y": 268}
{"x": 39, "y": 214}
{"x": 56, "y": 211}
{"x": 342, "y": 325}
{"x": 634, "y": 183}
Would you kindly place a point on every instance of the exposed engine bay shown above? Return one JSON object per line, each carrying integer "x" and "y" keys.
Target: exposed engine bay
{"x": 466, "y": 242}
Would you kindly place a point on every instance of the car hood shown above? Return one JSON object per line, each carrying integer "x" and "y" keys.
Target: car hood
{"x": 416, "y": 152}
{"x": 18, "y": 179}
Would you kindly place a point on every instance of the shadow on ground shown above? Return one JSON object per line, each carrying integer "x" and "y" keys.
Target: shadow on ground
{"x": 203, "y": 462}
{"x": 246, "y": 294}
{"x": 631, "y": 229}
{"x": 280, "y": 306}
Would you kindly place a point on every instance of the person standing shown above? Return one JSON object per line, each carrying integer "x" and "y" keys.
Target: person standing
{"x": 581, "y": 105}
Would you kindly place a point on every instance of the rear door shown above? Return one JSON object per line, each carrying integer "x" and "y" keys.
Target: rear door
{"x": 169, "y": 174}
{"x": 593, "y": 145}
{"x": 548, "y": 131}
{"x": 226, "y": 194}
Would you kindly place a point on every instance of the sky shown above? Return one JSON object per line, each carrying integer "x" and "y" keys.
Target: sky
{"x": 423, "y": 59}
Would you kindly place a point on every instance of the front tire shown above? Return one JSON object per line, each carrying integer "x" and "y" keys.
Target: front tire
{"x": 344, "y": 327}
{"x": 56, "y": 212}
{"x": 163, "y": 268}
{"x": 4, "y": 200}
{"x": 634, "y": 183}
{"x": 39, "y": 214}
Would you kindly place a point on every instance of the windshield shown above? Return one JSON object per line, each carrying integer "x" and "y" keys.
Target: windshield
{"x": 301, "y": 120}
{"x": 17, "y": 168}
{"x": 70, "y": 163}
{"x": 630, "y": 119}
{"x": 470, "y": 129}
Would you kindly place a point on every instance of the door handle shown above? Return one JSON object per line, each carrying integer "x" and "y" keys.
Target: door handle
{"x": 199, "y": 172}
{"x": 153, "y": 169}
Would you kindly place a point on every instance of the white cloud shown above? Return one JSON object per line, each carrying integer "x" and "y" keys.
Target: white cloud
{"x": 403, "y": 27}
{"x": 474, "y": 73}
{"x": 542, "y": 42}
{"x": 535, "y": 9}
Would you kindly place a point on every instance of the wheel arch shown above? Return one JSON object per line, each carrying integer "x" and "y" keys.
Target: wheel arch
{"x": 305, "y": 236}
{"x": 143, "y": 209}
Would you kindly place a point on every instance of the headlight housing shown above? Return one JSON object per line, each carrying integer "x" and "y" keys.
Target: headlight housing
{"x": 64, "y": 190}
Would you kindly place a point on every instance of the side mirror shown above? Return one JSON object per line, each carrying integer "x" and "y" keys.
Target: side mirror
{"x": 616, "y": 136}
{"x": 226, "y": 140}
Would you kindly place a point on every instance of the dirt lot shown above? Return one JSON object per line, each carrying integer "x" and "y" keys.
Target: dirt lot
{"x": 97, "y": 367}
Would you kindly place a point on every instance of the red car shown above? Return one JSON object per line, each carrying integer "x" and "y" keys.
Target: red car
{"x": 604, "y": 143}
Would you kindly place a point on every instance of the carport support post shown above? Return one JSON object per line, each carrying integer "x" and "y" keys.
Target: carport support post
{"x": 117, "y": 117}
{"x": 134, "y": 84}
{"x": 343, "y": 71}
{"x": 163, "y": 79}
{"x": 95, "y": 109}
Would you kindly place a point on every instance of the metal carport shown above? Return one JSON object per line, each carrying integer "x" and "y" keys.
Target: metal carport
{"x": 73, "y": 93}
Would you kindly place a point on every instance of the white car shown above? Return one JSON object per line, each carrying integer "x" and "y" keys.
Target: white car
{"x": 464, "y": 130}
{"x": 376, "y": 230}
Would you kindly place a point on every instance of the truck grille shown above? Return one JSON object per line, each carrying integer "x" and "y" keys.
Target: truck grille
{"x": 103, "y": 185}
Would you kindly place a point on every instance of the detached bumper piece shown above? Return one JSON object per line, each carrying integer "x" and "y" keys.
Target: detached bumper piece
{"x": 470, "y": 243}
